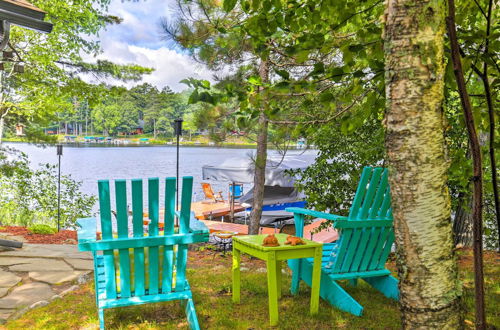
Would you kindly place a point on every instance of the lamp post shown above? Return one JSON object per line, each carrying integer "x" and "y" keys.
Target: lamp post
{"x": 59, "y": 154}
{"x": 178, "y": 133}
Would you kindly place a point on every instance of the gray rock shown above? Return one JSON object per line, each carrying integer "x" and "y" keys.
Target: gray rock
{"x": 81, "y": 264}
{"x": 5, "y": 313}
{"x": 26, "y": 295}
{"x": 55, "y": 277}
{"x": 12, "y": 237}
{"x": 18, "y": 313}
{"x": 49, "y": 251}
{"x": 55, "y": 297}
{"x": 84, "y": 278}
{"x": 261, "y": 270}
{"x": 8, "y": 280}
{"x": 40, "y": 303}
{"x": 40, "y": 265}
{"x": 7, "y": 260}
{"x": 68, "y": 290}
{"x": 3, "y": 291}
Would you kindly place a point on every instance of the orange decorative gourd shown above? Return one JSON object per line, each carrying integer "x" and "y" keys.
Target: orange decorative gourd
{"x": 270, "y": 240}
{"x": 294, "y": 240}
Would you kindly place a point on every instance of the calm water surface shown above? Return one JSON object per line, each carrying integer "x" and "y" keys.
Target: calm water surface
{"x": 91, "y": 163}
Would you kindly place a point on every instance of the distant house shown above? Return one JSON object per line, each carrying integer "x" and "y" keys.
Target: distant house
{"x": 136, "y": 130}
{"x": 20, "y": 130}
{"x": 132, "y": 131}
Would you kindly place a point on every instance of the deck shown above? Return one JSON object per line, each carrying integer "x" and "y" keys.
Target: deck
{"x": 325, "y": 236}
{"x": 210, "y": 210}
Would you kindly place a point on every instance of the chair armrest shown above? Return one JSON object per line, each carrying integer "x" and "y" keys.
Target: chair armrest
{"x": 317, "y": 214}
{"x": 87, "y": 230}
{"x": 298, "y": 215}
{"x": 196, "y": 225}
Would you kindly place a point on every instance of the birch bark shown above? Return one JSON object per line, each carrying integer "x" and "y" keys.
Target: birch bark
{"x": 415, "y": 67}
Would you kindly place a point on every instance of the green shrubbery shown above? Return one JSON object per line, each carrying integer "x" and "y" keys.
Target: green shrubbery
{"x": 42, "y": 229}
{"x": 29, "y": 197}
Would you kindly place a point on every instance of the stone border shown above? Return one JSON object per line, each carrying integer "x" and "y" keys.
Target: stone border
{"x": 38, "y": 274}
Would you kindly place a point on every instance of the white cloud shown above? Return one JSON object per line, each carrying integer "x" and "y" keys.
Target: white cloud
{"x": 137, "y": 40}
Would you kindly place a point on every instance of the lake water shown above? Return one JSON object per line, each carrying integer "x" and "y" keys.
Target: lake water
{"x": 91, "y": 163}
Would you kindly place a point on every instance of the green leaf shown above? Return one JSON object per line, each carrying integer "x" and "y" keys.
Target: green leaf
{"x": 284, "y": 74}
{"x": 326, "y": 97}
{"x": 319, "y": 68}
{"x": 337, "y": 73}
{"x": 356, "y": 48}
{"x": 229, "y": 5}
{"x": 204, "y": 83}
{"x": 255, "y": 80}
{"x": 302, "y": 56}
{"x": 194, "y": 97}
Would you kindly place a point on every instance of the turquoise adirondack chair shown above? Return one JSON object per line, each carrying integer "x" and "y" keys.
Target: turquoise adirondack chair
{"x": 366, "y": 237}
{"x": 140, "y": 268}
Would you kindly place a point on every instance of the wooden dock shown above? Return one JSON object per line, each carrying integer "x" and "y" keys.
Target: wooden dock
{"x": 211, "y": 210}
{"x": 207, "y": 212}
{"x": 325, "y": 236}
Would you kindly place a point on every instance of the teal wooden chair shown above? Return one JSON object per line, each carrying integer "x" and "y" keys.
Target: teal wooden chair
{"x": 366, "y": 237}
{"x": 142, "y": 268}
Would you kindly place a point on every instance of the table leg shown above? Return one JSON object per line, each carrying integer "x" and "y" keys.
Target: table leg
{"x": 272, "y": 288}
{"x": 236, "y": 275}
{"x": 316, "y": 279}
{"x": 279, "y": 268}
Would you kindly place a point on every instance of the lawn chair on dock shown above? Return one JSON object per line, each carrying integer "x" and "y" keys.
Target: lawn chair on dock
{"x": 365, "y": 242}
{"x": 139, "y": 269}
{"x": 210, "y": 194}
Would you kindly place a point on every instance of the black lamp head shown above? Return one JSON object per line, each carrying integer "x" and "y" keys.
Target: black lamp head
{"x": 178, "y": 126}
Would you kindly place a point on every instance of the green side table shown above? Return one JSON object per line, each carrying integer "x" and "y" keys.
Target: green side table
{"x": 274, "y": 256}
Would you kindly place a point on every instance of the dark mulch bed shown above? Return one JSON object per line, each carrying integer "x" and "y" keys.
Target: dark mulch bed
{"x": 62, "y": 237}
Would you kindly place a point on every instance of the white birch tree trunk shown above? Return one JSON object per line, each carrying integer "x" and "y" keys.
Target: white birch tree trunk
{"x": 415, "y": 68}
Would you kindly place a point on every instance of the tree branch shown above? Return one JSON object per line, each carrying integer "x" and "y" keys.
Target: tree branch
{"x": 319, "y": 121}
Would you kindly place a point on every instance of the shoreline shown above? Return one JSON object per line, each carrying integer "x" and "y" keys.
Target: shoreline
{"x": 138, "y": 145}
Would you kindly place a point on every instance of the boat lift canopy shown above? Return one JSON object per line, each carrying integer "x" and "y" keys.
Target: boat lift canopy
{"x": 242, "y": 169}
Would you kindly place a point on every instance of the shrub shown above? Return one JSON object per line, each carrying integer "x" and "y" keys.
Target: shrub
{"x": 29, "y": 197}
{"x": 42, "y": 229}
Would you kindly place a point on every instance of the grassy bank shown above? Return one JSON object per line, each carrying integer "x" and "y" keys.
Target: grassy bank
{"x": 135, "y": 139}
{"x": 210, "y": 279}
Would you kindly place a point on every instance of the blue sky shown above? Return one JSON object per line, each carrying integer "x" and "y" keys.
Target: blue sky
{"x": 138, "y": 40}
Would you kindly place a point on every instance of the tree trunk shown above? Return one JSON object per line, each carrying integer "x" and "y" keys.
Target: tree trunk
{"x": 477, "y": 179}
{"x": 154, "y": 129}
{"x": 260, "y": 159}
{"x": 2, "y": 123}
{"x": 415, "y": 68}
{"x": 462, "y": 222}
{"x": 491, "y": 116}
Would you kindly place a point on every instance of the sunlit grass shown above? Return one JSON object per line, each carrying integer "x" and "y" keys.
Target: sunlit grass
{"x": 210, "y": 279}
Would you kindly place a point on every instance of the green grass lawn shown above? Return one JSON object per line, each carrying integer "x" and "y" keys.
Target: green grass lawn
{"x": 210, "y": 279}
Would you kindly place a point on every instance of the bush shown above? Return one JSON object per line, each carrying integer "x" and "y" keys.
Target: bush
{"x": 29, "y": 197}
{"x": 42, "y": 229}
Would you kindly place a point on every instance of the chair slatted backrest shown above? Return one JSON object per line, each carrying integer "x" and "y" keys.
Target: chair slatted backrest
{"x": 153, "y": 266}
{"x": 373, "y": 198}
{"x": 367, "y": 234}
{"x": 365, "y": 245}
{"x": 207, "y": 190}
